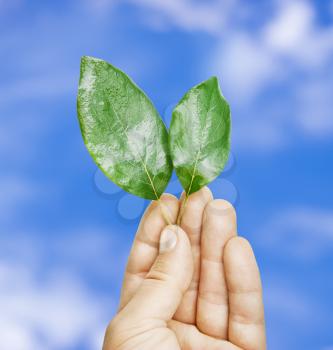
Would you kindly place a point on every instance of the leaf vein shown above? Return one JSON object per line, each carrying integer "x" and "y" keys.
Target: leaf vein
{"x": 141, "y": 160}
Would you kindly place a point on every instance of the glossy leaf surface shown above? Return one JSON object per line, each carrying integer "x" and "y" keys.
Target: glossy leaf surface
{"x": 122, "y": 130}
{"x": 200, "y": 135}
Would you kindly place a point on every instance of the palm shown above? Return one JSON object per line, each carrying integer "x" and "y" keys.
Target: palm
{"x": 222, "y": 307}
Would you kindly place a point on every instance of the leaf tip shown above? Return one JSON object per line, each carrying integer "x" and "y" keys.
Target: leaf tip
{"x": 84, "y": 59}
{"x": 213, "y": 80}
{"x": 89, "y": 59}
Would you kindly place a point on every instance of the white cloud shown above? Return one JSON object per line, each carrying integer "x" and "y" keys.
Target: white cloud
{"x": 47, "y": 301}
{"x": 301, "y": 233}
{"x": 209, "y": 17}
{"x": 83, "y": 250}
{"x": 290, "y": 26}
{"x": 17, "y": 336}
{"x": 46, "y": 86}
{"x": 290, "y": 51}
{"x": 245, "y": 66}
{"x": 93, "y": 250}
{"x": 55, "y": 313}
{"x": 186, "y": 14}
{"x": 249, "y": 61}
{"x": 293, "y": 33}
{"x": 314, "y": 99}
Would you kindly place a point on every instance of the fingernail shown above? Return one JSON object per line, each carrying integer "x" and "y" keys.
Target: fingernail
{"x": 168, "y": 241}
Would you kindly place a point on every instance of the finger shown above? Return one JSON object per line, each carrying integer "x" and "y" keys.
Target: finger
{"x": 161, "y": 291}
{"x": 219, "y": 225}
{"x": 189, "y": 337}
{"x": 246, "y": 311}
{"x": 191, "y": 222}
{"x": 145, "y": 246}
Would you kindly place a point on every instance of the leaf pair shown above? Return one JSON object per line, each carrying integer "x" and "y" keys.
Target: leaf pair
{"x": 129, "y": 141}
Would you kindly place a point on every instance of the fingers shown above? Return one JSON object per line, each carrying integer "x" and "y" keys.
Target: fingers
{"x": 189, "y": 337}
{"x": 191, "y": 222}
{"x": 162, "y": 289}
{"x": 219, "y": 225}
{"x": 145, "y": 246}
{"x": 246, "y": 311}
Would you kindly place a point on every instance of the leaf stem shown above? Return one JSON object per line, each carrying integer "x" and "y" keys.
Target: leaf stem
{"x": 182, "y": 209}
{"x": 164, "y": 212}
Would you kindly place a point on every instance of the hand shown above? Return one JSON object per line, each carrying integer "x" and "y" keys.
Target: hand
{"x": 193, "y": 287}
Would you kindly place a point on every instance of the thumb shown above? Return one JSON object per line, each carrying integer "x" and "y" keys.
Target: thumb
{"x": 161, "y": 291}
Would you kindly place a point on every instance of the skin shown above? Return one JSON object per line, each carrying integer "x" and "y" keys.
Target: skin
{"x": 199, "y": 289}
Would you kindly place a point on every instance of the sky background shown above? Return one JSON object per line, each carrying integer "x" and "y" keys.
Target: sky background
{"x": 65, "y": 232}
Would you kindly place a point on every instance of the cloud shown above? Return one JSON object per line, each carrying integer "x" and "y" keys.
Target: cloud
{"x": 283, "y": 57}
{"x": 83, "y": 250}
{"x": 59, "y": 312}
{"x": 245, "y": 66}
{"x": 290, "y": 26}
{"x": 287, "y": 50}
{"x": 277, "y": 77}
{"x": 294, "y": 33}
{"x": 250, "y": 60}
{"x": 48, "y": 299}
{"x": 291, "y": 31}
{"x": 314, "y": 99}
{"x": 38, "y": 87}
{"x": 186, "y": 15}
{"x": 300, "y": 233}
{"x": 285, "y": 60}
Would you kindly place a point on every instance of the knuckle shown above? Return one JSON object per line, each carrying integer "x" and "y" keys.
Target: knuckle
{"x": 110, "y": 337}
{"x": 202, "y": 196}
{"x": 158, "y": 277}
{"x": 239, "y": 242}
{"x": 113, "y": 326}
{"x": 117, "y": 332}
{"x": 221, "y": 207}
{"x": 243, "y": 241}
{"x": 168, "y": 197}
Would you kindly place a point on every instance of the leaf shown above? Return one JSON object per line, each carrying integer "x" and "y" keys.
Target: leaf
{"x": 122, "y": 130}
{"x": 199, "y": 135}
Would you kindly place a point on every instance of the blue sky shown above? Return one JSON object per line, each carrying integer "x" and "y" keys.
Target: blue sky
{"x": 65, "y": 232}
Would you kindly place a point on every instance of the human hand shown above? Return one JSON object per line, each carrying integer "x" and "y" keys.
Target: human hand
{"x": 192, "y": 287}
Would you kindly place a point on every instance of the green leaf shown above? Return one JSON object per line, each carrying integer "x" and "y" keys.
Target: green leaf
{"x": 199, "y": 135}
{"x": 122, "y": 130}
